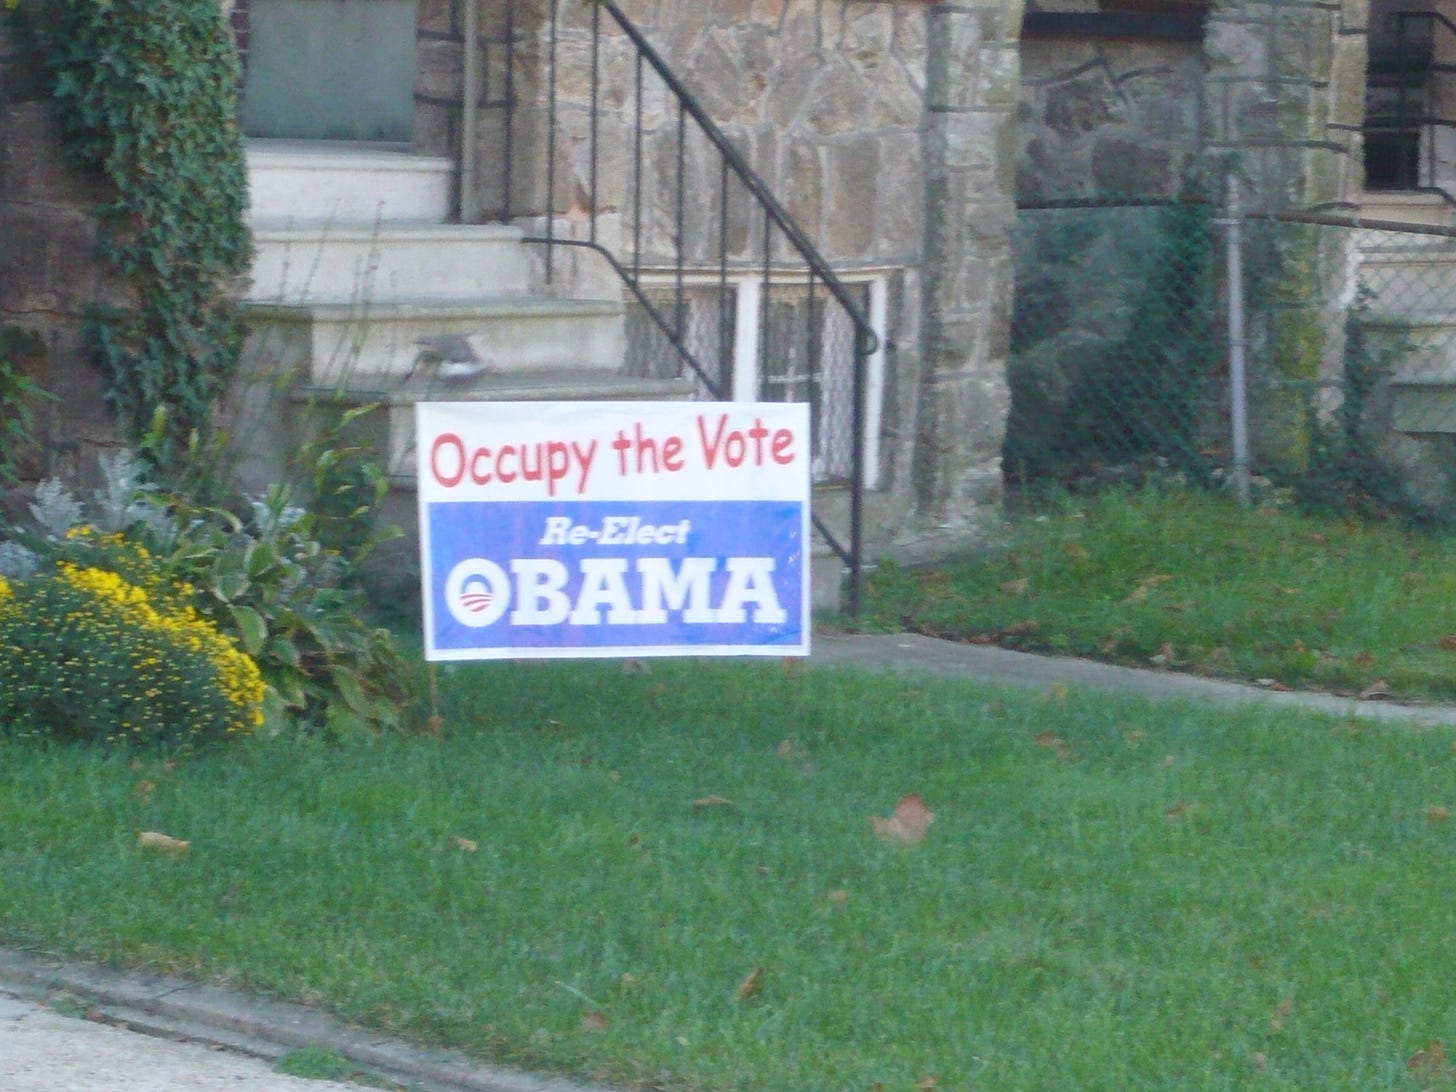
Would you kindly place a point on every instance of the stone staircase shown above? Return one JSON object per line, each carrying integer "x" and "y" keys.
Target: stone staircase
{"x": 1412, "y": 279}
{"x": 355, "y": 266}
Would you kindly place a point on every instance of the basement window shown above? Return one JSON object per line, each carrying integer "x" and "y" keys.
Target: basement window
{"x": 809, "y": 350}
{"x": 1148, "y": 20}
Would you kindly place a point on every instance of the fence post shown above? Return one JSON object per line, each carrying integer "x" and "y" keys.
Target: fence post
{"x": 1233, "y": 224}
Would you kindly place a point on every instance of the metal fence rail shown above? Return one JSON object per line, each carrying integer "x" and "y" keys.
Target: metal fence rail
{"x": 723, "y": 286}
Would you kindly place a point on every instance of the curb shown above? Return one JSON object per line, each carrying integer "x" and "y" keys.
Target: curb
{"x": 175, "y": 1008}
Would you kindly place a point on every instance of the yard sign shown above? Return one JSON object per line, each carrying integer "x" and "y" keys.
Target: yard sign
{"x": 569, "y": 529}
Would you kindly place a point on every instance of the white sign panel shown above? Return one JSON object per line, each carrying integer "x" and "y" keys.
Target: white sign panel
{"x": 577, "y": 529}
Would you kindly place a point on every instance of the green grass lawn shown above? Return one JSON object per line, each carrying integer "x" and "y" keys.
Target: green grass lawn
{"x": 1112, "y": 894}
{"x": 1187, "y": 581}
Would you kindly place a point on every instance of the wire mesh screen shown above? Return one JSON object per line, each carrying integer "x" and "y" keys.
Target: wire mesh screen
{"x": 1120, "y": 349}
{"x": 801, "y": 343}
{"x": 1115, "y": 351}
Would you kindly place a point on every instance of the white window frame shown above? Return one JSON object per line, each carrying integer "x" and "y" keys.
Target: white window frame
{"x": 747, "y": 286}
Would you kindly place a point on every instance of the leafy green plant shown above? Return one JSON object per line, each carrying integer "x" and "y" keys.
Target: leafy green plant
{"x": 18, "y": 395}
{"x": 1111, "y": 345}
{"x": 259, "y": 574}
{"x": 92, "y": 656}
{"x": 145, "y": 91}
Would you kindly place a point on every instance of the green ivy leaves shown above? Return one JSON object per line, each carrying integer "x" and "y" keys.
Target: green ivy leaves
{"x": 146, "y": 93}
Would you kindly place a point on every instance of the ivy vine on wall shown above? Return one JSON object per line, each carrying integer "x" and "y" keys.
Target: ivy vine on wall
{"x": 145, "y": 91}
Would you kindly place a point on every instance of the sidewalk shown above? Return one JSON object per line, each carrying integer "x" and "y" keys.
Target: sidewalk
{"x": 200, "y": 1038}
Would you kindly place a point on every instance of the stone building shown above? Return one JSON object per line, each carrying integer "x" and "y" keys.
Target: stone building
{"x": 899, "y": 134}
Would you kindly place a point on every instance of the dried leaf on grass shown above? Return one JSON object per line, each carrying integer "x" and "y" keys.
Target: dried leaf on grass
{"x": 1281, "y": 1014}
{"x": 712, "y": 800}
{"x": 907, "y": 823}
{"x": 594, "y": 1023}
{"x": 162, "y": 843}
{"x": 1429, "y": 1061}
{"x": 750, "y": 985}
{"x": 1437, "y": 813}
{"x": 1378, "y": 689}
{"x": 465, "y": 844}
{"x": 1053, "y": 742}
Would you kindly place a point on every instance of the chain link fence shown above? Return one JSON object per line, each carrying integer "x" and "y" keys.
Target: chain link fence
{"x": 1342, "y": 389}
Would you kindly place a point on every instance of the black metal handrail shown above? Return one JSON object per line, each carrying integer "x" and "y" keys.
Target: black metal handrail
{"x": 734, "y": 256}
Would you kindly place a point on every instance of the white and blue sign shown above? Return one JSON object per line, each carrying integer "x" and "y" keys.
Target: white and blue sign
{"x": 552, "y": 529}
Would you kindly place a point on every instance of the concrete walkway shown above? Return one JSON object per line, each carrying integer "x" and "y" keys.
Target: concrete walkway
{"x": 197, "y": 1038}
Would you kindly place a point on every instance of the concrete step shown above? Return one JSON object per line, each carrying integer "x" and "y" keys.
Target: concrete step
{"x": 1418, "y": 349}
{"x": 324, "y": 343}
{"x": 1405, "y": 207}
{"x": 296, "y": 261}
{"x": 1410, "y": 278}
{"x": 346, "y": 183}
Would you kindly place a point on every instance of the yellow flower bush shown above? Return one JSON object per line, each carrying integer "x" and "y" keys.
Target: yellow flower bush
{"x": 87, "y": 654}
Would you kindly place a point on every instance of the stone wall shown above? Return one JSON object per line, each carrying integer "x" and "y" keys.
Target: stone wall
{"x": 48, "y": 272}
{"x": 1286, "y": 91}
{"x": 1108, "y": 116}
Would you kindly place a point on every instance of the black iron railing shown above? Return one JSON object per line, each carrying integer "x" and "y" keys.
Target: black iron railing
{"x": 1401, "y": 131}
{"x": 724, "y": 287}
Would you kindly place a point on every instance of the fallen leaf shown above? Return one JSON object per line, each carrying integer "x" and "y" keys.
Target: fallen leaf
{"x": 1281, "y": 1013}
{"x": 1437, "y": 813}
{"x": 465, "y": 844}
{"x": 750, "y": 985}
{"x": 1053, "y": 742}
{"x": 1448, "y": 641}
{"x": 143, "y": 791}
{"x": 1075, "y": 551}
{"x": 1164, "y": 656}
{"x": 787, "y": 749}
{"x": 1137, "y": 595}
{"x": 908, "y": 823}
{"x": 1016, "y": 587}
{"x": 1024, "y": 628}
{"x": 1260, "y": 1059}
{"x": 1176, "y": 811}
{"x": 1377, "y": 689}
{"x": 713, "y": 801}
{"x": 162, "y": 843}
{"x": 594, "y": 1023}
{"x": 1432, "y": 1059}
{"x": 1058, "y": 692}
{"x": 925, "y": 1084}
{"x": 839, "y": 896}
